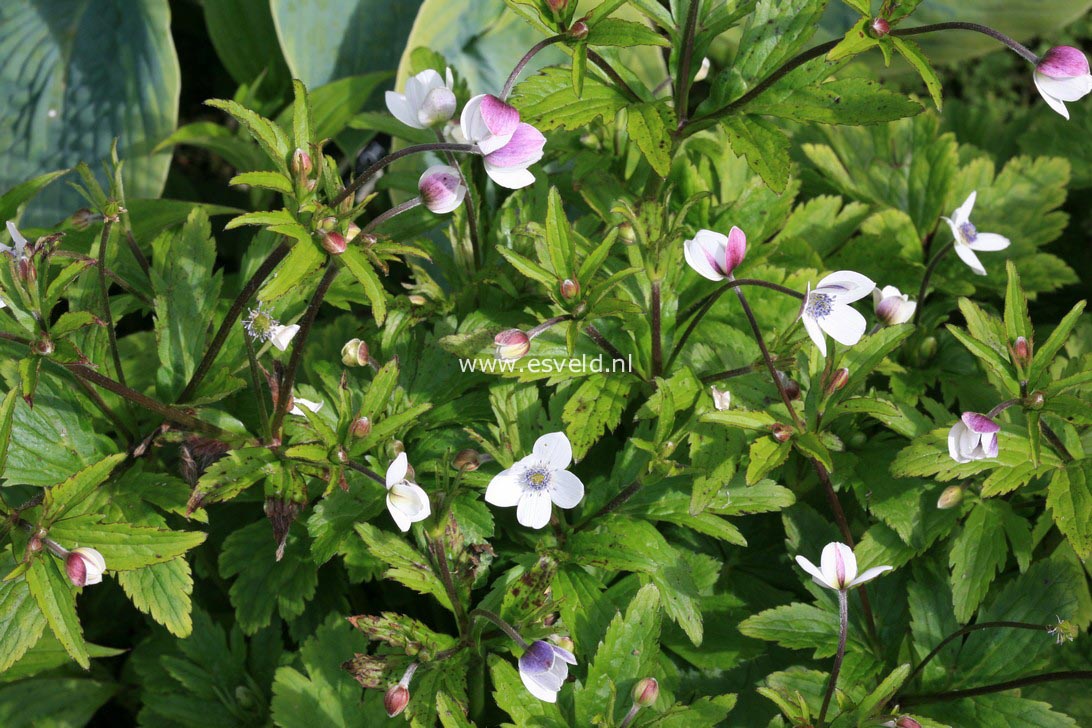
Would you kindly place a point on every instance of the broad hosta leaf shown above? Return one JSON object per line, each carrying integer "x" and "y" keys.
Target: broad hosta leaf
{"x": 1069, "y": 498}
{"x": 163, "y": 591}
{"x": 250, "y": 54}
{"x": 977, "y": 554}
{"x": 65, "y": 104}
{"x": 56, "y": 599}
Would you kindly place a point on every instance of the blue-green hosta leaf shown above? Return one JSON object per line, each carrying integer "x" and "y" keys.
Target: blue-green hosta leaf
{"x": 76, "y": 75}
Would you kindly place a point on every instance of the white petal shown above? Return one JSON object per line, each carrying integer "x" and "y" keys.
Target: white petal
{"x": 17, "y": 239}
{"x": 1052, "y": 102}
{"x": 298, "y": 402}
{"x": 846, "y": 286}
{"x": 829, "y": 559}
{"x": 870, "y": 574}
{"x": 989, "y": 242}
{"x": 553, "y": 450}
{"x": 969, "y": 441}
{"x": 963, "y": 212}
{"x": 697, "y": 259}
{"x": 954, "y": 228}
{"x": 567, "y": 490}
{"x": 282, "y": 336}
{"x": 396, "y": 471}
{"x": 511, "y": 178}
{"x": 492, "y": 142}
{"x": 538, "y": 690}
{"x": 954, "y": 436}
{"x": 906, "y": 312}
{"x": 812, "y": 569}
{"x": 816, "y": 334}
{"x": 400, "y": 519}
{"x": 967, "y": 256}
{"x": 504, "y": 489}
{"x": 844, "y": 324}
{"x": 534, "y": 509}
{"x": 400, "y": 109}
{"x": 1066, "y": 89}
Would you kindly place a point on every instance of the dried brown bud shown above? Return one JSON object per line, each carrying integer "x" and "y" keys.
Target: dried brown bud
{"x": 281, "y": 514}
{"x": 43, "y": 346}
{"x": 1035, "y": 400}
{"x": 468, "y": 460}
{"x": 792, "y": 387}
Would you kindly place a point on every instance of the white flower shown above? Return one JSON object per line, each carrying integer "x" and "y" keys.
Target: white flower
{"x": 544, "y": 668}
{"x": 826, "y": 308}
{"x": 298, "y": 402}
{"x": 19, "y": 243}
{"x": 1062, "y": 75}
{"x": 281, "y": 336}
{"x": 84, "y": 566}
{"x": 974, "y": 437}
{"x": 968, "y": 239}
{"x": 713, "y": 255}
{"x": 488, "y": 122}
{"x": 428, "y": 101}
{"x": 893, "y": 306}
{"x": 537, "y": 480}
{"x": 838, "y": 568}
{"x": 406, "y": 501}
{"x": 722, "y": 399}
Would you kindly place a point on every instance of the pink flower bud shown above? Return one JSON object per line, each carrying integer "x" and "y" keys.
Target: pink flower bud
{"x": 1062, "y": 75}
{"x": 1021, "y": 352}
{"x": 512, "y": 344}
{"x": 880, "y": 27}
{"x": 301, "y": 165}
{"x": 43, "y": 346}
{"x": 442, "y": 189}
{"x": 579, "y": 30}
{"x": 84, "y": 566}
{"x": 362, "y": 427}
{"x": 837, "y": 380}
{"x": 1063, "y": 62}
{"x": 792, "y": 387}
{"x": 906, "y": 721}
{"x": 396, "y": 699}
{"x": 646, "y": 691}
{"x": 354, "y": 353}
{"x": 334, "y": 243}
{"x": 557, "y": 5}
{"x": 780, "y": 432}
{"x": 570, "y": 289}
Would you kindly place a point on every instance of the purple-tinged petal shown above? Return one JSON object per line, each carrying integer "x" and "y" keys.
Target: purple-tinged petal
{"x": 565, "y": 654}
{"x": 980, "y": 423}
{"x": 538, "y": 658}
{"x": 736, "y": 249}
{"x": 989, "y": 445}
{"x": 522, "y": 150}
{"x": 499, "y": 117}
{"x": 1063, "y": 62}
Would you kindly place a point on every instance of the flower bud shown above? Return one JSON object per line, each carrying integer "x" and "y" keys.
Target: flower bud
{"x": 334, "y": 243}
{"x": 43, "y": 346}
{"x": 646, "y": 691}
{"x": 880, "y": 27}
{"x": 352, "y": 231}
{"x": 557, "y": 5}
{"x": 780, "y": 432}
{"x": 301, "y": 165}
{"x": 84, "y": 566}
{"x": 34, "y": 545}
{"x": 1021, "y": 352}
{"x": 570, "y": 289}
{"x": 354, "y": 353}
{"x": 81, "y": 219}
{"x": 906, "y": 721}
{"x": 26, "y": 271}
{"x": 396, "y": 699}
{"x": 950, "y": 498}
{"x": 441, "y": 188}
{"x": 326, "y": 224}
{"x": 438, "y": 107}
{"x": 579, "y": 30}
{"x": 837, "y": 380}
{"x": 627, "y": 233}
{"x": 1035, "y": 400}
{"x": 928, "y": 348}
{"x": 511, "y": 345}
{"x": 703, "y": 70}
{"x": 468, "y": 460}
{"x": 361, "y": 427}
{"x": 791, "y": 386}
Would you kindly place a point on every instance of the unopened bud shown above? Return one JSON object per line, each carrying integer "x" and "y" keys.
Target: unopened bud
{"x": 906, "y": 721}
{"x": 880, "y": 27}
{"x": 352, "y": 231}
{"x": 579, "y": 30}
{"x": 396, "y": 699}
{"x": 570, "y": 289}
{"x": 780, "y": 432}
{"x": 1035, "y": 400}
{"x": 1021, "y": 352}
{"x": 837, "y": 380}
{"x": 627, "y": 233}
{"x": 244, "y": 696}
{"x": 82, "y": 218}
{"x": 84, "y": 566}
{"x": 928, "y": 348}
{"x": 301, "y": 165}
{"x": 468, "y": 460}
{"x": 703, "y": 70}
{"x": 557, "y": 5}
{"x": 334, "y": 243}
{"x": 511, "y": 345}
{"x": 34, "y": 545}
{"x": 396, "y": 448}
{"x": 438, "y": 107}
{"x": 951, "y": 497}
{"x": 565, "y": 643}
{"x": 646, "y": 691}
{"x": 43, "y": 346}
{"x": 26, "y": 271}
{"x": 354, "y": 353}
{"x": 361, "y": 427}
{"x": 417, "y": 299}
{"x": 790, "y": 385}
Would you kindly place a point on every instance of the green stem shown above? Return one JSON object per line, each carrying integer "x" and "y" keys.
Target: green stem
{"x": 682, "y": 83}
{"x": 843, "y": 630}
{"x": 259, "y": 395}
{"x": 393, "y": 157}
{"x": 366, "y": 471}
{"x": 104, "y": 290}
{"x": 657, "y": 339}
{"x": 504, "y": 626}
{"x": 393, "y": 212}
{"x": 997, "y": 687}
{"x": 606, "y": 68}
{"x": 929, "y": 269}
{"x": 439, "y": 555}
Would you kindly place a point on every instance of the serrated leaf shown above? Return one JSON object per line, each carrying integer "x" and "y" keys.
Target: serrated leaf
{"x": 623, "y": 33}
{"x": 163, "y": 591}
{"x": 547, "y": 100}
{"x": 742, "y": 419}
{"x": 21, "y": 620}
{"x": 1045, "y": 354}
{"x": 857, "y": 39}
{"x": 852, "y": 101}
{"x": 796, "y": 626}
{"x": 125, "y": 546}
{"x": 765, "y": 147}
{"x": 263, "y": 180}
{"x": 7, "y": 420}
{"x": 977, "y": 554}
{"x": 56, "y": 599}
{"x": 913, "y": 54}
{"x": 354, "y": 259}
{"x": 1069, "y": 498}
{"x": 766, "y": 454}
{"x": 232, "y": 474}
{"x": 63, "y": 497}
{"x": 594, "y": 408}
{"x": 512, "y": 697}
{"x": 270, "y": 137}
{"x": 407, "y": 565}
{"x": 650, "y": 125}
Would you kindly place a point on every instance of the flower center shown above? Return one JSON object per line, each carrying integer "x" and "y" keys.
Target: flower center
{"x": 818, "y": 305}
{"x": 968, "y": 232}
{"x": 536, "y": 478}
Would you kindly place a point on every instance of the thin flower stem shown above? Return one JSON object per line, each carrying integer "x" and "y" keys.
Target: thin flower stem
{"x": 1055, "y": 441}
{"x": 606, "y": 68}
{"x": 682, "y": 83}
{"x": 548, "y": 323}
{"x": 439, "y": 555}
{"x": 237, "y": 306}
{"x": 768, "y": 359}
{"x": 929, "y": 269}
{"x": 298, "y": 343}
{"x": 614, "y": 504}
{"x": 366, "y": 471}
{"x": 393, "y": 212}
{"x": 393, "y": 157}
{"x": 477, "y": 252}
{"x": 542, "y": 44}
{"x": 977, "y": 28}
{"x": 138, "y": 254}
{"x": 598, "y": 338}
{"x": 504, "y": 626}
{"x": 657, "y": 339}
{"x": 104, "y": 290}
{"x": 1002, "y": 407}
{"x": 633, "y": 709}
{"x": 731, "y": 373}
{"x": 967, "y": 630}
{"x": 843, "y": 630}
{"x": 996, "y": 687}
{"x": 259, "y": 396}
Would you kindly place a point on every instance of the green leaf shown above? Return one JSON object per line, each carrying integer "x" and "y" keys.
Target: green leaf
{"x": 231, "y": 475}
{"x": 1069, "y": 498}
{"x": 512, "y": 697}
{"x": 7, "y": 419}
{"x": 594, "y": 408}
{"x": 302, "y": 261}
{"x": 559, "y": 242}
{"x": 71, "y": 493}
{"x": 853, "y": 101}
{"x": 1003, "y": 710}
{"x": 57, "y": 601}
{"x": 766, "y": 454}
{"x": 52, "y": 701}
{"x": 125, "y": 546}
{"x": 47, "y": 653}
{"x": 650, "y": 125}
{"x": 857, "y": 40}
{"x": 1017, "y": 321}
{"x": 63, "y": 59}
{"x": 264, "y": 180}
{"x": 12, "y": 200}
{"x": 163, "y": 591}
{"x": 270, "y": 137}
{"x": 796, "y": 626}
{"x": 629, "y": 651}
{"x": 548, "y": 101}
{"x": 809, "y": 444}
{"x": 528, "y": 268}
{"x": 1045, "y": 354}
{"x": 765, "y": 147}
{"x": 913, "y": 54}
{"x": 741, "y": 419}
{"x": 408, "y": 566}
{"x": 354, "y": 259}
{"x": 21, "y": 621}
{"x": 623, "y": 33}
{"x": 246, "y": 56}
{"x": 977, "y": 555}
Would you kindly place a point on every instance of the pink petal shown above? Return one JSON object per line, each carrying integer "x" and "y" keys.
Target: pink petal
{"x": 1063, "y": 62}
{"x": 499, "y": 117}
{"x": 736, "y": 248}
{"x": 522, "y": 150}
{"x": 980, "y": 423}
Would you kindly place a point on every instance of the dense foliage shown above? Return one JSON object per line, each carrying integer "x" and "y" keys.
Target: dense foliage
{"x": 688, "y": 363}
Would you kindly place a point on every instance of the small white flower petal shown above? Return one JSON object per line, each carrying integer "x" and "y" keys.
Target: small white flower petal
{"x": 298, "y": 402}
{"x": 537, "y": 689}
{"x": 954, "y": 436}
{"x": 845, "y": 325}
{"x": 400, "y": 109}
{"x": 962, "y": 213}
{"x": 511, "y": 178}
{"x": 812, "y": 569}
{"x": 401, "y": 520}
{"x": 697, "y": 258}
{"x": 989, "y": 242}
{"x": 846, "y": 286}
{"x": 870, "y": 574}
{"x": 281, "y": 336}
{"x": 1052, "y": 101}
{"x": 504, "y": 489}
{"x": 1066, "y": 89}
{"x": 534, "y": 509}
{"x": 567, "y": 490}
{"x": 967, "y": 256}
{"x": 396, "y": 471}
{"x": 816, "y": 333}
{"x": 554, "y": 450}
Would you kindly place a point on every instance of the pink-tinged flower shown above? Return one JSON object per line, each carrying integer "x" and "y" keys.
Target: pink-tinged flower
{"x": 507, "y": 166}
{"x": 838, "y": 568}
{"x": 395, "y": 700}
{"x": 428, "y": 100}
{"x": 646, "y": 691}
{"x": 537, "y": 481}
{"x": 406, "y": 501}
{"x": 968, "y": 239}
{"x": 1062, "y": 75}
{"x": 893, "y": 306}
{"x": 974, "y": 437}
{"x": 19, "y": 244}
{"x": 488, "y": 122}
{"x": 84, "y": 566}
{"x": 544, "y": 669}
{"x": 713, "y": 255}
{"x": 512, "y": 344}
{"x": 442, "y": 189}
{"x": 826, "y": 308}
